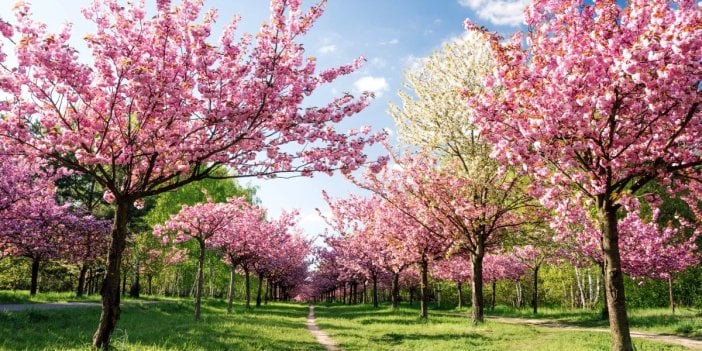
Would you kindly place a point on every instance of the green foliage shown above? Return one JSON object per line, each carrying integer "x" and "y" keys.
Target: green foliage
{"x": 169, "y": 203}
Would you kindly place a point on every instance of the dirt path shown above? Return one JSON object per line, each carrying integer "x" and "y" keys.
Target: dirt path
{"x": 321, "y": 336}
{"x": 693, "y": 344}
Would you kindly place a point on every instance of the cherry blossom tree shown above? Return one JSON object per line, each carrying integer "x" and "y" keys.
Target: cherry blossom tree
{"x": 243, "y": 241}
{"x": 199, "y": 222}
{"x": 533, "y": 257}
{"x": 457, "y": 269}
{"x": 159, "y": 104}
{"x": 90, "y": 240}
{"x": 603, "y": 101}
{"x": 411, "y": 235}
{"x": 469, "y": 213}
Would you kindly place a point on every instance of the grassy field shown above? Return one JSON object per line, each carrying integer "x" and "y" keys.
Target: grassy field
{"x": 363, "y": 328}
{"x": 168, "y": 325}
{"x": 685, "y": 322}
{"x": 162, "y": 326}
{"x": 22, "y": 296}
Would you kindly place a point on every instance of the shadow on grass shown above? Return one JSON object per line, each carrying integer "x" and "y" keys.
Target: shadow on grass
{"x": 162, "y": 326}
{"x": 397, "y": 338}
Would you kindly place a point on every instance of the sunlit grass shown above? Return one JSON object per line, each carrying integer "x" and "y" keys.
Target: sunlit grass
{"x": 364, "y": 328}
{"x": 685, "y": 322}
{"x": 162, "y": 326}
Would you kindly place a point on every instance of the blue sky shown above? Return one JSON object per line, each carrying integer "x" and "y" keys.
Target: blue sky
{"x": 392, "y": 34}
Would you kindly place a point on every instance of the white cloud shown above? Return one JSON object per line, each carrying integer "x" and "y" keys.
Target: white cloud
{"x": 327, "y": 49}
{"x": 414, "y": 63}
{"x": 500, "y": 12}
{"x": 376, "y": 85}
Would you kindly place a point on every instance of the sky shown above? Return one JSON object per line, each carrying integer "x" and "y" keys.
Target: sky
{"x": 392, "y": 34}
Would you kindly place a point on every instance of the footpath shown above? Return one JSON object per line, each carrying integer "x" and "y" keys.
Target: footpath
{"x": 321, "y": 336}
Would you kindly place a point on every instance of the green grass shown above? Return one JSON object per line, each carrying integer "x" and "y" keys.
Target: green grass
{"x": 363, "y": 328}
{"x": 685, "y": 322}
{"x": 22, "y": 296}
{"x": 162, "y": 326}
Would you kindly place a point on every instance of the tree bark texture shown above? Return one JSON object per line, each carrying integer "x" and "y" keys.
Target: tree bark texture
{"x": 614, "y": 279}
{"x": 110, "y": 293}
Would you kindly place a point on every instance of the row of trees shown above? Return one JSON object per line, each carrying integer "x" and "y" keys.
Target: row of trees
{"x": 155, "y": 104}
{"x": 585, "y": 143}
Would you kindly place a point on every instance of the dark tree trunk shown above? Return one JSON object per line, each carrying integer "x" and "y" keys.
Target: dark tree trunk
{"x": 259, "y": 291}
{"x": 614, "y": 278}
{"x": 268, "y": 290}
{"x": 110, "y": 284}
{"x": 424, "y": 289}
{"x": 535, "y": 294}
{"x": 35, "y": 277}
{"x": 459, "y": 286}
{"x": 81, "y": 280}
{"x": 477, "y": 285}
{"x": 134, "y": 289}
{"x": 494, "y": 295}
{"x": 375, "y": 291}
{"x": 89, "y": 281}
{"x": 395, "y": 290}
{"x": 200, "y": 278}
{"x": 605, "y": 308}
{"x": 230, "y": 291}
{"x": 670, "y": 293}
{"x": 247, "y": 285}
{"x": 148, "y": 281}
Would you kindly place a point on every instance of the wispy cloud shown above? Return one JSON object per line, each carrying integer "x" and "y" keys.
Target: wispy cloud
{"x": 413, "y": 63}
{"x": 500, "y": 12}
{"x": 393, "y": 41}
{"x": 327, "y": 49}
{"x": 376, "y": 85}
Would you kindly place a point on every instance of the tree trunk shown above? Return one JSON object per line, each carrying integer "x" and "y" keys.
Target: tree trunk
{"x": 81, "y": 280}
{"x": 134, "y": 289}
{"x": 259, "y": 292}
{"x": 520, "y": 298}
{"x": 247, "y": 284}
{"x": 200, "y": 278}
{"x": 375, "y": 291}
{"x": 395, "y": 290}
{"x": 477, "y": 285}
{"x": 614, "y": 278}
{"x": 110, "y": 284}
{"x": 35, "y": 277}
{"x": 424, "y": 289}
{"x": 148, "y": 281}
{"x": 494, "y": 295}
{"x": 535, "y": 294}
{"x": 459, "y": 286}
{"x": 670, "y": 293}
{"x": 230, "y": 291}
